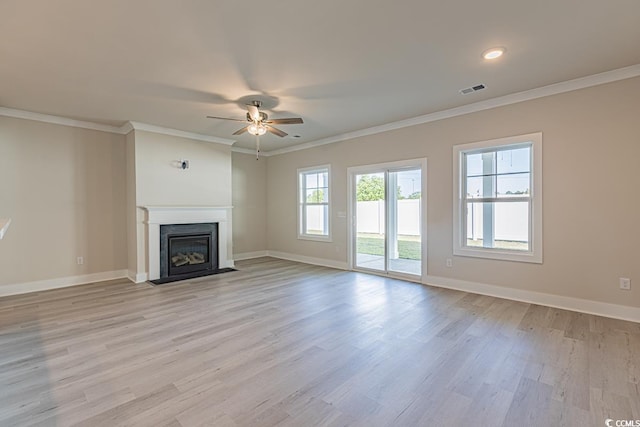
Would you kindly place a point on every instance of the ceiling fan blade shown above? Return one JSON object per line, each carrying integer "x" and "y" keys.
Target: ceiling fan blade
{"x": 289, "y": 121}
{"x": 225, "y": 118}
{"x": 241, "y": 131}
{"x": 254, "y": 112}
{"x": 276, "y": 131}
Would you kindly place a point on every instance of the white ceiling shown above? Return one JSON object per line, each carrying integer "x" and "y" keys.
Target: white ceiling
{"x": 340, "y": 65}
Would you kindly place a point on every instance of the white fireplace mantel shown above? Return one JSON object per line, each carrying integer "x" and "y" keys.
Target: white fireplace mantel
{"x": 162, "y": 215}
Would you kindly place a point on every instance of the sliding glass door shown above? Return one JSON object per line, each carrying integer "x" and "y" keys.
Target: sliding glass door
{"x": 404, "y": 208}
{"x": 387, "y": 218}
{"x": 371, "y": 226}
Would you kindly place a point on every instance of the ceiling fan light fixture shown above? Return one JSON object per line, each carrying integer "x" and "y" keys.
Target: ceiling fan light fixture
{"x": 493, "y": 53}
{"x": 259, "y": 123}
{"x": 257, "y": 129}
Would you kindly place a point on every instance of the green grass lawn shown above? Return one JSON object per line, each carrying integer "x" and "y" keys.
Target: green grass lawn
{"x": 501, "y": 244}
{"x": 373, "y": 244}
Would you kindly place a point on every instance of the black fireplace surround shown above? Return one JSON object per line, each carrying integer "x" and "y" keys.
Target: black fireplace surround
{"x": 187, "y": 251}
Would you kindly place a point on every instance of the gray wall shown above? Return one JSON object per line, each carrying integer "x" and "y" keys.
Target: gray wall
{"x": 64, "y": 189}
{"x": 591, "y": 149}
{"x": 250, "y": 203}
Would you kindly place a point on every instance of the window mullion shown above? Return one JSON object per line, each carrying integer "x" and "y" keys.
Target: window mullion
{"x": 304, "y": 204}
{"x": 488, "y": 211}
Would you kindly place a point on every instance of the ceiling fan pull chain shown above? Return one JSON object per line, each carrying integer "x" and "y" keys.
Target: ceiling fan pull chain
{"x": 257, "y": 147}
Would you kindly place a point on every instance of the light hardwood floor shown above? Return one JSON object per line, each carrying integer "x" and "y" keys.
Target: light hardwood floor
{"x": 288, "y": 344}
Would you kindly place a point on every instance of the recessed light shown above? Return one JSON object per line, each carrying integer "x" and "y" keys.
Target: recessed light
{"x": 493, "y": 53}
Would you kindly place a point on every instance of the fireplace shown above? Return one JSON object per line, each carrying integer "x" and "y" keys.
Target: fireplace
{"x": 155, "y": 217}
{"x": 188, "y": 250}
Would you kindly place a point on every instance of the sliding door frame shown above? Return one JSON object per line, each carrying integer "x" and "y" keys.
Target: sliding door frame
{"x": 419, "y": 163}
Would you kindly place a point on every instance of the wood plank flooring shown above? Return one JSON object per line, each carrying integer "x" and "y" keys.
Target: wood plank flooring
{"x": 279, "y": 343}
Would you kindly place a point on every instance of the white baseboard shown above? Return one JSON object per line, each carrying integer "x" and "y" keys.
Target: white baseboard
{"x": 137, "y": 277}
{"x": 597, "y": 308}
{"x": 250, "y": 255}
{"x": 309, "y": 260}
{"x": 61, "y": 282}
{"x": 614, "y": 311}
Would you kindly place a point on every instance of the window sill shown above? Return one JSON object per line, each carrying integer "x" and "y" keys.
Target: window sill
{"x": 313, "y": 238}
{"x": 501, "y": 255}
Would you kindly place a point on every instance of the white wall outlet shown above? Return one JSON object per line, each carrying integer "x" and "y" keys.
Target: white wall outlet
{"x": 449, "y": 262}
{"x": 625, "y": 283}
{"x": 80, "y": 260}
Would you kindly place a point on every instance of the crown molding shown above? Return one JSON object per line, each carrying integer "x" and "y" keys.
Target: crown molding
{"x": 541, "y": 92}
{"x": 122, "y": 130}
{"x": 57, "y": 120}
{"x": 179, "y": 133}
{"x": 248, "y": 151}
{"x": 554, "y": 89}
{"x": 126, "y": 128}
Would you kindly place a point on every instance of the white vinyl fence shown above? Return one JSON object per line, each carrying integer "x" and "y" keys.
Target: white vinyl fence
{"x": 511, "y": 219}
{"x": 371, "y": 217}
{"x": 511, "y": 222}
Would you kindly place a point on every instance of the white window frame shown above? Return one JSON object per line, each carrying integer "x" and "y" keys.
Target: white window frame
{"x": 302, "y": 203}
{"x": 534, "y": 254}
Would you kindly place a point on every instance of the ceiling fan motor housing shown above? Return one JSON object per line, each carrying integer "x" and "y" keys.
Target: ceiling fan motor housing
{"x": 263, "y": 117}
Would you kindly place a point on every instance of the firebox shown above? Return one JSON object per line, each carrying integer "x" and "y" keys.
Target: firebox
{"x": 188, "y": 250}
{"x": 189, "y": 253}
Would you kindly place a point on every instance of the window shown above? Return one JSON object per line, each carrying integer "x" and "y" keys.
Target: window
{"x": 498, "y": 199}
{"x": 313, "y": 201}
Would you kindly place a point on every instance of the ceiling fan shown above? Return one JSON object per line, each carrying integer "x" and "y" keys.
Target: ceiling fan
{"x": 259, "y": 122}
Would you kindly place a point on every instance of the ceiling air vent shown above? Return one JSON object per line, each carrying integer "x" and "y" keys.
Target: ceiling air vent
{"x": 472, "y": 89}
